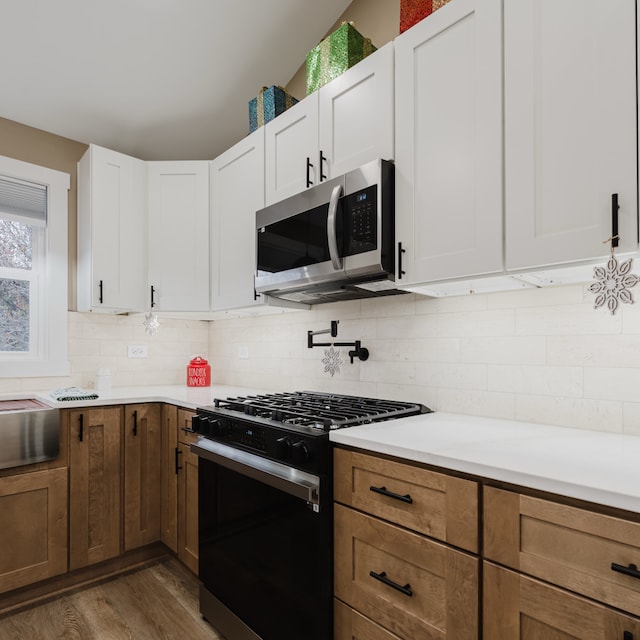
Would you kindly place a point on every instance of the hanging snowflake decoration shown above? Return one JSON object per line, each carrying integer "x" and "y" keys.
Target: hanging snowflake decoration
{"x": 613, "y": 283}
{"x": 151, "y": 323}
{"x": 332, "y": 361}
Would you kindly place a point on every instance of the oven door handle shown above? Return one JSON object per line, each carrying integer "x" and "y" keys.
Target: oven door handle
{"x": 299, "y": 484}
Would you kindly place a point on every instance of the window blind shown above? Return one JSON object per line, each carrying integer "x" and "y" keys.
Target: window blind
{"x": 19, "y": 199}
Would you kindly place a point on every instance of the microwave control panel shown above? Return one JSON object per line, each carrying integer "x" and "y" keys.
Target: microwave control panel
{"x": 361, "y": 217}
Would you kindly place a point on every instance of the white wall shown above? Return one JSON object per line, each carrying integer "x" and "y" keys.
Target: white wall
{"x": 542, "y": 355}
{"x": 100, "y": 341}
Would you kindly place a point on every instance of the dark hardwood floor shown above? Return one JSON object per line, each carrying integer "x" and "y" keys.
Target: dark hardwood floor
{"x": 156, "y": 602}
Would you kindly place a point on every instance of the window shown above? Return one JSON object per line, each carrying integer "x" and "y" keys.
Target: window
{"x": 33, "y": 270}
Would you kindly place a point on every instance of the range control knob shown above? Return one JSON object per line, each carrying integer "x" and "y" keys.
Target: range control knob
{"x": 283, "y": 448}
{"x": 300, "y": 452}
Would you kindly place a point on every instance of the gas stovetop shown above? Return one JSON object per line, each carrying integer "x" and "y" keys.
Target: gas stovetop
{"x": 292, "y": 428}
{"x": 323, "y": 411}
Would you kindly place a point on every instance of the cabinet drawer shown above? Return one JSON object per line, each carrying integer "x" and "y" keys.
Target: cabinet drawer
{"x": 351, "y": 625}
{"x": 423, "y": 589}
{"x": 521, "y": 608}
{"x": 570, "y": 547}
{"x": 432, "y": 503}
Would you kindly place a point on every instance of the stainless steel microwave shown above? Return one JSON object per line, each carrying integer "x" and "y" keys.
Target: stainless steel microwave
{"x": 334, "y": 241}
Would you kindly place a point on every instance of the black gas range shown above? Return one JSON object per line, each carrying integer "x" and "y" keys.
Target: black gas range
{"x": 265, "y": 509}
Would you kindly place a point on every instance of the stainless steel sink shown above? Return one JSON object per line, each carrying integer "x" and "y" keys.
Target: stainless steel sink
{"x": 29, "y": 432}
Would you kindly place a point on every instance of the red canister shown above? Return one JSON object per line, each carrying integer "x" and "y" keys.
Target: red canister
{"x": 198, "y": 373}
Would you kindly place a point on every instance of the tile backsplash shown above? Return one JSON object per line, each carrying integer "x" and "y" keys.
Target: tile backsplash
{"x": 101, "y": 341}
{"x": 539, "y": 355}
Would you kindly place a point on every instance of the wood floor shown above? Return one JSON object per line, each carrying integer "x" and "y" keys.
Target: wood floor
{"x": 156, "y": 602}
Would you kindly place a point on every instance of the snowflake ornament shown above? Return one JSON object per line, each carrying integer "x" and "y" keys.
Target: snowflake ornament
{"x": 151, "y": 323}
{"x": 613, "y": 282}
{"x": 332, "y": 361}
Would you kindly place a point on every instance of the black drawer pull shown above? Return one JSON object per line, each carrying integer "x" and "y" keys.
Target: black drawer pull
{"x": 627, "y": 635}
{"x": 178, "y": 453}
{"x": 396, "y": 496}
{"x": 631, "y": 570}
{"x": 398, "y": 587}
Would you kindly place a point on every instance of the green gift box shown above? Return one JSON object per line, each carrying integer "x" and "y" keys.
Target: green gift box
{"x": 335, "y": 54}
{"x": 268, "y": 104}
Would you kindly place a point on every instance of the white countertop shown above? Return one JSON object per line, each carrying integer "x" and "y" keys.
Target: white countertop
{"x": 181, "y": 395}
{"x": 594, "y": 466}
{"x": 588, "y": 465}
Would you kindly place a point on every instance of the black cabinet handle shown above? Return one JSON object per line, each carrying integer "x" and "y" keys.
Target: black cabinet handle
{"x": 81, "y": 429}
{"x": 323, "y": 159}
{"x": 401, "y": 271}
{"x": 627, "y": 635}
{"x": 631, "y": 570}
{"x": 135, "y": 423}
{"x": 153, "y": 291}
{"x": 615, "y": 207}
{"x": 309, "y": 167}
{"x": 406, "y": 589}
{"x": 396, "y": 496}
{"x": 100, "y": 298}
{"x": 178, "y": 453}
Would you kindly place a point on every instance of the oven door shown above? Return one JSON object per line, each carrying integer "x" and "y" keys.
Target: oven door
{"x": 265, "y": 540}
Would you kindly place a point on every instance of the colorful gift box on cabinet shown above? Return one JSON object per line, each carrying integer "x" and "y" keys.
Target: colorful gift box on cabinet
{"x": 335, "y": 54}
{"x": 412, "y": 11}
{"x": 268, "y": 104}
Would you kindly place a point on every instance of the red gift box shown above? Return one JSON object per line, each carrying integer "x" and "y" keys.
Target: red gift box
{"x": 412, "y": 11}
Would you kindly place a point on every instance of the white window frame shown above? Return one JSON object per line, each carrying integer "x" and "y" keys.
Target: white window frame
{"x": 49, "y": 357}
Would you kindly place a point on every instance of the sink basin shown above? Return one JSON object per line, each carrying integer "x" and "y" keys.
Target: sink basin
{"x": 29, "y": 432}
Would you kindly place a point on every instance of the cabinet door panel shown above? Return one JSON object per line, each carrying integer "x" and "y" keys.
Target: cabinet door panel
{"x": 237, "y": 192}
{"x": 169, "y": 477}
{"x": 570, "y": 129}
{"x": 112, "y": 231}
{"x": 290, "y": 139}
{"x": 142, "y": 460}
{"x": 570, "y": 547}
{"x": 520, "y": 608}
{"x": 440, "y": 585}
{"x": 188, "y": 508}
{"x": 94, "y": 485}
{"x": 449, "y": 143}
{"x": 179, "y": 235}
{"x": 356, "y": 114}
{"x": 33, "y": 535}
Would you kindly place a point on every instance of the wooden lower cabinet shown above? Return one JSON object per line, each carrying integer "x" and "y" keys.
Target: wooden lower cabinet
{"x": 351, "y": 625}
{"x": 179, "y": 486}
{"x": 188, "y": 508}
{"x": 33, "y": 530}
{"x": 142, "y": 460}
{"x": 411, "y": 585}
{"x": 518, "y": 607}
{"x": 95, "y": 506}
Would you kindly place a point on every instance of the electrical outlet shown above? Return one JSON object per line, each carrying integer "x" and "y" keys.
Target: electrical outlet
{"x": 243, "y": 353}
{"x": 137, "y": 351}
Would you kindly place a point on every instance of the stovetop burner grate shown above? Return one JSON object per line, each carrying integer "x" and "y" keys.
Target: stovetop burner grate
{"x": 325, "y": 411}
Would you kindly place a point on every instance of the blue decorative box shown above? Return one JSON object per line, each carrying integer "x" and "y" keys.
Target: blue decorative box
{"x": 268, "y": 104}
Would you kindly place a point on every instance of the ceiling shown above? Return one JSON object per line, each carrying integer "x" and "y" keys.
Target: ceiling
{"x": 156, "y": 79}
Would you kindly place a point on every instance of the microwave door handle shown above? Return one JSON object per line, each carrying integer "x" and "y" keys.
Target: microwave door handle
{"x": 336, "y": 261}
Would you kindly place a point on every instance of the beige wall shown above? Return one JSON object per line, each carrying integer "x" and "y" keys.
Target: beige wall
{"x": 375, "y": 19}
{"x": 47, "y": 150}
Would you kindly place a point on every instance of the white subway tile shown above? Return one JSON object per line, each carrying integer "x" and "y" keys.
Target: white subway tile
{"x": 452, "y": 375}
{"x": 566, "y": 320}
{"x": 621, "y": 384}
{"x": 594, "y": 350}
{"x": 579, "y": 413}
{"x": 503, "y": 350}
{"x": 631, "y": 418}
{"x": 537, "y": 380}
{"x": 388, "y": 372}
{"x": 476, "y": 403}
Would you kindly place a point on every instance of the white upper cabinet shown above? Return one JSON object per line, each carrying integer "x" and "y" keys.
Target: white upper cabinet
{"x": 112, "y": 232}
{"x": 178, "y": 235}
{"x": 343, "y": 125}
{"x": 448, "y": 118}
{"x": 237, "y": 192}
{"x": 570, "y": 129}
